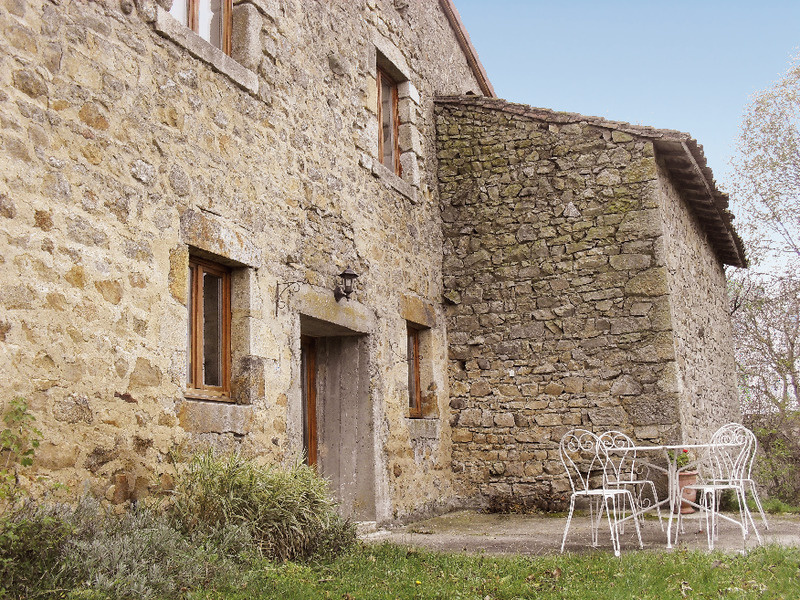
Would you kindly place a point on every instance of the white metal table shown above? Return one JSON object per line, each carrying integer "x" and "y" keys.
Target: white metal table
{"x": 670, "y": 453}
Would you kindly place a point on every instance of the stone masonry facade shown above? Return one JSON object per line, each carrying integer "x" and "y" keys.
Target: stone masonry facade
{"x": 540, "y": 259}
{"x": 580, "y": 286}
{"x": 130, "y": 144}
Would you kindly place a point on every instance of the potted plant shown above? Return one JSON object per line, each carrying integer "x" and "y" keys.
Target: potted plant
{"x": 682, "y": 458}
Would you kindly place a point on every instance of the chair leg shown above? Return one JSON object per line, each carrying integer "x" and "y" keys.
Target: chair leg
{"x": 711, "y": 517}
{"x": 747, "y": 516}
{"x": 655, "y": 501}
{"x": 754, "y": 491}
{"x": 569, "y": 520}
{"x": 636, "y": 521}
{"x": 612, "y": 526}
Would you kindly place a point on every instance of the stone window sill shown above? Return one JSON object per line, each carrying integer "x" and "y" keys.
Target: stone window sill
{"x": 424, "y": 428}
{"x": 170, "y": 28}
{"x": 197, "y": 416}
{"x": 393, "y": 181}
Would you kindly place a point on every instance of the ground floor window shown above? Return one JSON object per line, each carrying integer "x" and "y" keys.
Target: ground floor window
{"x": 414, "y": 391}
{"x": 208, "y": 342}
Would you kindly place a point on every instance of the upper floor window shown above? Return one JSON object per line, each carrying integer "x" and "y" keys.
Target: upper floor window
{"x": 210, "y": 19}
{"x": 388, "y": 139}
{"x": 209, "y": 331}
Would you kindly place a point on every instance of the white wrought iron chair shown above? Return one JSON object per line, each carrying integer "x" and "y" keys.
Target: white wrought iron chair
{"x": 623, "y": 471}
{"x": 582, "y": 456}
{"x": 723, "y": 468}
{"x": 747, "y": 480}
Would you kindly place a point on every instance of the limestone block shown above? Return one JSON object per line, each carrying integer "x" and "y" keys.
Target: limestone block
{"x": 630, "y": 261}
{"x": 215, "y": 417}
{"x": 626, "y": 386}
{"x": 652, "y": 282}
{"x": 145, "y": 374}
{"x": 504, "y": 420}
{"x": 417, "y": 310}
{"x": 406, "y": 89}
{"x": 73, "y": 409}
{"x": 480, "y": 389}
{"x": 410, "y": 168}
{"x": 269, "y": 8}
{"x": 548, "y": 419}
{"x": 407, "y": 111}
{"x": 608, "y": 417}
{"x": 409, "y": 139}
{"x": 178, "y": 274}
{"x": 57, "y": 456}
{"x": 620, "y": 137}
{"x": 246, "y": 46}
{"x": 471, "y": 417}
{"x": 643, "y": 223}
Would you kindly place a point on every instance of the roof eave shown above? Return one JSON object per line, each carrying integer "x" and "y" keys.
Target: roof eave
{"x": 466, "y": 46}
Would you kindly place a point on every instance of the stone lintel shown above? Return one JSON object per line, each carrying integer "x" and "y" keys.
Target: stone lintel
{"x": 320, "y": 305}
{"x": 210, "y": 233}
{"x": 417, "y": 311}
{"x": 392, "y": 53}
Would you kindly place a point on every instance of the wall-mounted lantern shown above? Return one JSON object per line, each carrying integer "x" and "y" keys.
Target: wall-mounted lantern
{"x": 348, "y": 277}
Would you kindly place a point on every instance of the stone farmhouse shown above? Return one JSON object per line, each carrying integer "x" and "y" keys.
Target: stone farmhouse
{"x": 187, "y": 186}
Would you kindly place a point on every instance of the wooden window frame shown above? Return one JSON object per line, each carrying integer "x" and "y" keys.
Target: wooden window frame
{"x": 193, "y": 14}
{"x": 195, "y": 386}
{"x": 413, "y": 360}
{"x": 395, "y": 120}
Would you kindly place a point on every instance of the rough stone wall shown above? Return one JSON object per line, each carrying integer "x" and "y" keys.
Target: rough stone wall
{"x": 559, "y": 312}
{"x": 706, "y": 373}
{"x": 128, "y": 143}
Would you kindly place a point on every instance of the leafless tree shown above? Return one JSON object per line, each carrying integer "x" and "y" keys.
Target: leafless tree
{"x": 766, "y": 179}
{"x": 765, "y": 300}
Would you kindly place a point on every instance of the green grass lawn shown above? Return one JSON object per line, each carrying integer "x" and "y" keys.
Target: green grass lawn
{"x": 387, "y": 572}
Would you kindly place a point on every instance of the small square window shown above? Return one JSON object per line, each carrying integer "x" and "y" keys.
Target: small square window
{"x": 210, "y": 19}
{"x": 208, "y": 342}
{"x": 414, "y": 390}
{"x": 388, "y": 121}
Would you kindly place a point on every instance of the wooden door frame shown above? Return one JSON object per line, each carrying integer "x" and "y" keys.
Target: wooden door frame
{"x": 308, "y": 347}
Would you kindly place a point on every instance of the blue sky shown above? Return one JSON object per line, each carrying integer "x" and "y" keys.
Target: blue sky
{"x": 673, "y": 64}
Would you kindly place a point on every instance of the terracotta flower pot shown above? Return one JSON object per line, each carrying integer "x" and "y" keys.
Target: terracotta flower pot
{"x": 687, "y": 478}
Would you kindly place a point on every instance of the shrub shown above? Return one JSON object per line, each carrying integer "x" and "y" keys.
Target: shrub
{"x": 140, "y": 554}
{"x": 32, "y": 541}
{"x": 777, "y": 467}
{"x": 18, "y": 443}
{"x": 287, "y": 511}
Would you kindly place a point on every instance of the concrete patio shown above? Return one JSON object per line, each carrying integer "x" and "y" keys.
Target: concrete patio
{"x": 474, "y": 531}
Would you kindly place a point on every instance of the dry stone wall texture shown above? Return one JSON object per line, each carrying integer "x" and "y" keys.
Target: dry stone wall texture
{"x": 129, "y": 143}
{"x": 706, "y": 372}
{"x": 557, "y": 272}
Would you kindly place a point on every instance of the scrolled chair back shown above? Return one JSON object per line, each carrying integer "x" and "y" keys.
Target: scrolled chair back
{"x": 731, "y": 452}
{"x": 619, "y": 455}
{"x": 580, "y": 453}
